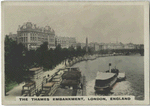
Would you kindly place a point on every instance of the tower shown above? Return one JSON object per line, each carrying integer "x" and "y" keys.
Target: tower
{"x": 86, "y": 45}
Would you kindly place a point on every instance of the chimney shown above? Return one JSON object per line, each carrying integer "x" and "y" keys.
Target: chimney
{"x": 110, "y": 67}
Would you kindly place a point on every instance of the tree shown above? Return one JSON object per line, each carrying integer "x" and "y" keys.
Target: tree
{"x": 14, "y": 70}
{"x": 42, "y": 54}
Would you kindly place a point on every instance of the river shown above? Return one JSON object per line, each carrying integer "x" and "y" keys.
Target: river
{"x": 133, "y": 66}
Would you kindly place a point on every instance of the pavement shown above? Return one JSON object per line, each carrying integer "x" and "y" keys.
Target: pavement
{"x": 16, "y": 91}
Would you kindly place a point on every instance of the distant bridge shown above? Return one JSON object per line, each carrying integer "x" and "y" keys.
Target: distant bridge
{"x": 124, "y": 51}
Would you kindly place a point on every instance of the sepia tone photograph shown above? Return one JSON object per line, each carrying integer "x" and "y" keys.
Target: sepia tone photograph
{"x": 75, "y": 52}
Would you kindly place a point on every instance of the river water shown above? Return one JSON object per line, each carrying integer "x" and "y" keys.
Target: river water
{"x": 133, "y": 66}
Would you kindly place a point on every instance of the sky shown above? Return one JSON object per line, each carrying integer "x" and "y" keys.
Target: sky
{"x": 100, "y": 23}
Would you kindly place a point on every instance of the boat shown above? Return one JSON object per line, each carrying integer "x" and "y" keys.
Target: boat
{"x": 72, "y": 77}
{"x": 106, "y": 80}
{"x": 121, "y": 77}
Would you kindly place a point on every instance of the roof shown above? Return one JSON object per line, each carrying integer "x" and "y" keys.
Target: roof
{"x": 60, "y": 72}
{"x": 57, "y": 76}
{"x": 69, "y": 82}
{"x": 32, "y": 27}
{"x": 29, "y": 84}
{"x": 50, "y": 84}
{"x": 121, "y": 75}
{"x": 73, "y": 68}
{"x": 104, "y": 76}
{"x": 62, "y": 69}
{"x": 34, "y": 69}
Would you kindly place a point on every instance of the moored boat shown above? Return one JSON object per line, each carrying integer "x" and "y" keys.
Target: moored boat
{"x": 105, "y": 80}
{"x": 121, "y": 77}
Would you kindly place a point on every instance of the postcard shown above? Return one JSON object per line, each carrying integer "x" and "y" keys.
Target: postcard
{"x": 75, "y": 53}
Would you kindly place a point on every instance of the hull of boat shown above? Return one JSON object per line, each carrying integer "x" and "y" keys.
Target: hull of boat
{"x": 106, "y": 88}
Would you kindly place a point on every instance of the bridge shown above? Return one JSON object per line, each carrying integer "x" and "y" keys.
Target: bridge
{"x": 124, "y": 51}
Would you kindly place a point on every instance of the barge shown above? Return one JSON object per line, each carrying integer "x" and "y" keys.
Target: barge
{"x": 71, "y": 77}
{"x": 71, "y": 82}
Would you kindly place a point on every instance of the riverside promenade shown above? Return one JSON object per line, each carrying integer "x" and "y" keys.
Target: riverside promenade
{"x": 16, "y": 91}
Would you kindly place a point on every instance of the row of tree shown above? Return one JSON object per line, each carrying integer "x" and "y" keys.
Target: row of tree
{"x": 19, "y": 59}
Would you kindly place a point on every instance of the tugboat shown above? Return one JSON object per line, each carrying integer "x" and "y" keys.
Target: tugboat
{"x": 105, "y": 80}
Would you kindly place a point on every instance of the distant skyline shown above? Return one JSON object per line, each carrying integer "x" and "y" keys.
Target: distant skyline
{"x": 100, "y": 23}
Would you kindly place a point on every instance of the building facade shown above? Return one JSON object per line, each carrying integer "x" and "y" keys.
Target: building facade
{"x": 112, "y": 46}
{"x": 65, "y": 42}
{"x": 129, "y": 46}
{"x": 32, "y": 36}
{"x": 82, "y": 45}
{"x": 94, "y": 46}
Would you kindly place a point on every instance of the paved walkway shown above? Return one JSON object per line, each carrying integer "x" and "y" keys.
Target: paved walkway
{"x": 16, "y": 91}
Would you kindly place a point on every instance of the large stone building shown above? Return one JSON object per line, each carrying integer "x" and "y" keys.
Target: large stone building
{"x": 65, "y": 42}
{"x": 32, "y": 36}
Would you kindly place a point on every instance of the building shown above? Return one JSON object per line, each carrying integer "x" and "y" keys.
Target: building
{"x": 129, "y": 46}
{"x": 101, "y": 46}
{"x": 32, "y": 36}
{"x": 65, "y": 42}
{"x": 82, "y": 45}
{"x": 13, "y": 36}
{"x": 112, "y": 46}
{"x": 94, "y": 46}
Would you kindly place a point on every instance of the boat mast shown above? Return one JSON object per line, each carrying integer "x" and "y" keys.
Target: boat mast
{"x": 110, "y": 67}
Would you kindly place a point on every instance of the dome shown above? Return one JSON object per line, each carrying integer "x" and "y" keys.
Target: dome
{"x": 24, "y": 26}
{"x": 47, "y": 27}
{"x": 29, "y": 25}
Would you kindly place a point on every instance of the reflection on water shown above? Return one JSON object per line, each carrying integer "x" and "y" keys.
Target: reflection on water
{"x": 133, "y": 66}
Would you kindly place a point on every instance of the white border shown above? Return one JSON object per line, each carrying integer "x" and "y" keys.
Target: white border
{"x": 146, "y": 49}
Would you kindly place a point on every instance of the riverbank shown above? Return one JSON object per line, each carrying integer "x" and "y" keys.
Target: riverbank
{"x": 90, "y": 57}
{"x": 62, "y": 65}
{"x": 50, "y": 74}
